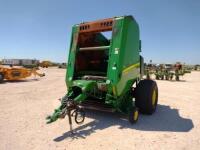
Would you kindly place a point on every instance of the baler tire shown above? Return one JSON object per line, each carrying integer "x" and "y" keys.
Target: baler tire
{"x": 166, "y": 77}
{"x": 162, "y": 77}
{"x": 133, "y": 115}
{"x": 177, "y": 78}
{"x": 146, "y": 97}
{"x": 1, "y": 77}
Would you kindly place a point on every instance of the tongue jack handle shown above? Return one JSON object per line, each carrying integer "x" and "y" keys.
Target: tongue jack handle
{"x": 70, "y": 121}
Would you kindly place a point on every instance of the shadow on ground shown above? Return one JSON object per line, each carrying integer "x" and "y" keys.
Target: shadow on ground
{"x": 173, "y": 80}
{"x": 181, "y": 80}
{"x": 20, "y": 81}
{"x": 164, "y": 119}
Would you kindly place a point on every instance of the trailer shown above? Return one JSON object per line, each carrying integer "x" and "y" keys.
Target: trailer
{"x": 13, "y": 73}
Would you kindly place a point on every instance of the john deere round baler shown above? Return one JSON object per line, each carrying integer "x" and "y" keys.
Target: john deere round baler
{"x": 105, "y": 73}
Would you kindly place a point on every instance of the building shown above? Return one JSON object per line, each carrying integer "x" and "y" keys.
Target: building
{"x": 20, "y": 62}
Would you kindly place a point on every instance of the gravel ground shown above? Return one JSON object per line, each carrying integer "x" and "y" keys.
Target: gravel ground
{"x": 25, "y": 104}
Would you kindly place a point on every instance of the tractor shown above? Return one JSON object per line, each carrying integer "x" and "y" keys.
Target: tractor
{"x": 105, "y": 74}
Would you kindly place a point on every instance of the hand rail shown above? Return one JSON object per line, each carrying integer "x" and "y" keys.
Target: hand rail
{"x": 94, "y": 48}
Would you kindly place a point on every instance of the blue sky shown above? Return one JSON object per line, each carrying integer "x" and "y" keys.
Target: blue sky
{"x": 170, "y": 29}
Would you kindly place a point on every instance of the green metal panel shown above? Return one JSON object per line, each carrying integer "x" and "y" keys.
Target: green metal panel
{"x": 72, "y": 56}
{"x": 124, "y": 53}
{"x": 130, "y": 57}
{"x": 130, "y": 42}
{"x": 114, "y": 66}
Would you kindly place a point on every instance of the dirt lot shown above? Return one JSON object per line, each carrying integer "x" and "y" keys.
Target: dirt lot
{"x": 24, "y": 106}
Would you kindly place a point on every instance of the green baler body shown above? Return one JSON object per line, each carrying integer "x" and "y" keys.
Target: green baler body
{"x": 123, "y": 62}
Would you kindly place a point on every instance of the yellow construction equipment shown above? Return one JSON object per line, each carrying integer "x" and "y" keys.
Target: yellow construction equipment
{"x": 45, "y": 64}
{"x": 12, "y": 73}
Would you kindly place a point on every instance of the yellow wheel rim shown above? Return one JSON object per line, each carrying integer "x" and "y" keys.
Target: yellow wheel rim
{"x": 136, "y": 115}
{"x": 154, "y": 97}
